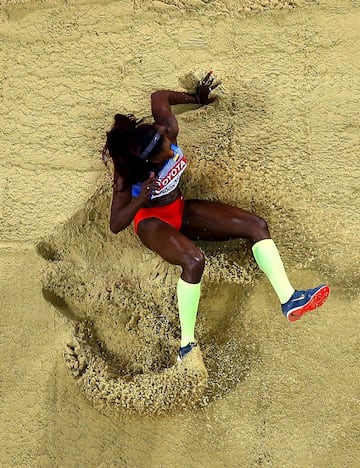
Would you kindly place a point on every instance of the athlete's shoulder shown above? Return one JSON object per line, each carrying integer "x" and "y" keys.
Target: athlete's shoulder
{"x": 177, "y": 150}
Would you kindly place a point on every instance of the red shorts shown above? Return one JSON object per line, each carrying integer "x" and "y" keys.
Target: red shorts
{"x": 171, "y": 214}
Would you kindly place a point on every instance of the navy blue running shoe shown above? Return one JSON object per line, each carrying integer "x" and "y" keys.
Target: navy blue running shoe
{"x": 305, "y": 301}
{"x": 184, "y": 350}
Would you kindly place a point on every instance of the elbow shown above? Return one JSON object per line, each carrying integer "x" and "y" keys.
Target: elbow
{"x": 114, "y": 229}
{"x": 117, "y": 224}
{"x": 153, "y": 95}
{"x": 160, "y": 94}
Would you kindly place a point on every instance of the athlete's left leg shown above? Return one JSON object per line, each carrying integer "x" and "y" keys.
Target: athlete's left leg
{"x": 203, "y": 220}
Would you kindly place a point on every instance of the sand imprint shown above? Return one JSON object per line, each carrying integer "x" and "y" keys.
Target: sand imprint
{"x": 120, "y": 299}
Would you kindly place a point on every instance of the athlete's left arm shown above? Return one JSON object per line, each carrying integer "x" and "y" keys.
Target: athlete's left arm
{"x": 161, "y": 102}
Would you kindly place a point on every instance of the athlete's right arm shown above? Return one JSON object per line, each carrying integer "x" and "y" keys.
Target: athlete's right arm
{"x": 123, "y": 206}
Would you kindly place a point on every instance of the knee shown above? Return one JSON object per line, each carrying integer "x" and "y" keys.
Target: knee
{"x": 193, "y": 265}
{"x": 260, "y": 229}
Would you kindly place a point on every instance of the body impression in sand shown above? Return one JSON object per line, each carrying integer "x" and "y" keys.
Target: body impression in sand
{"x": 126, "y": 329}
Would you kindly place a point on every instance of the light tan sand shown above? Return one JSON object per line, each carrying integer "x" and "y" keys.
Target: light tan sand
{"x": 282, "y": 140}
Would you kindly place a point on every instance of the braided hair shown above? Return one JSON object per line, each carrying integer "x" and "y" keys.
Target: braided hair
{"x": 126, "y": 142}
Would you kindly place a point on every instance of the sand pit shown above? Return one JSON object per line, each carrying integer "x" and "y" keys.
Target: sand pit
{"x": 89, "y": 318}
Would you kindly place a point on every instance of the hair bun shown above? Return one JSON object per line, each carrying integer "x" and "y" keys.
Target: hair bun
{"x": 127, "y": 123}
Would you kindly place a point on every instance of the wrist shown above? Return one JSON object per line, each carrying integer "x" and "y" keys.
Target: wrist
{"x": 138, "y": 202}
{"x": 197, "y": 99}
{"x": 179, "y": 97}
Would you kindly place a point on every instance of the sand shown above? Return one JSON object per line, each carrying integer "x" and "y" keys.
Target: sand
{"x": 88, "y": 319}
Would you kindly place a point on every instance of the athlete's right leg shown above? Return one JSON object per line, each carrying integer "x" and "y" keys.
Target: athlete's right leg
{"x": 173, "y": 247}
{"x": 177, "y": 249}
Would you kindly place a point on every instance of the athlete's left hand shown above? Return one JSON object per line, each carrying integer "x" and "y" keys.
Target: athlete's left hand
{"x": 205, "y": 87}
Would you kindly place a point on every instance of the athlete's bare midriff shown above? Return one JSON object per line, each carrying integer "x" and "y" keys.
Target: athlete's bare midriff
{"x": 164, "y": 200}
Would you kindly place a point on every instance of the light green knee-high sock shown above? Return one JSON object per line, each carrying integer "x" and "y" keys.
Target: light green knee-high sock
{"x": 188, "y": 301}
{"x": 267, "y": 257}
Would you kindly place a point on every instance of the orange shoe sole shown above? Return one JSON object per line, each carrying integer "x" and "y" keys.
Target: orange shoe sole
{"x": 317, "y": 301}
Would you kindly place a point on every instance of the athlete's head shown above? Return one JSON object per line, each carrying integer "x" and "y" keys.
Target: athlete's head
{"x": 131, "y": 139}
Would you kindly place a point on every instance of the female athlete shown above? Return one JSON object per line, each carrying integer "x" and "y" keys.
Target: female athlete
{"x": 148, "y": 165}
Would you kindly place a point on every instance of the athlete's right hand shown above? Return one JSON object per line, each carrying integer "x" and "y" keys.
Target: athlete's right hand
{"x": 205, "y": 86}
{"x": 148, "y": 187}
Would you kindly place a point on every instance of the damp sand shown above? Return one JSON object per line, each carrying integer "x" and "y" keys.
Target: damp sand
{"x": 91, "y": 330}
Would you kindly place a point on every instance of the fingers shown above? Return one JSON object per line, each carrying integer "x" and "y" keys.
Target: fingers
{"x": 208, "y": 79}
{"x": 216, "y": 82}
{"x": 205, "y": 86}
{"x": 151, "y": 181}
{"x": 150, "y": 185}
